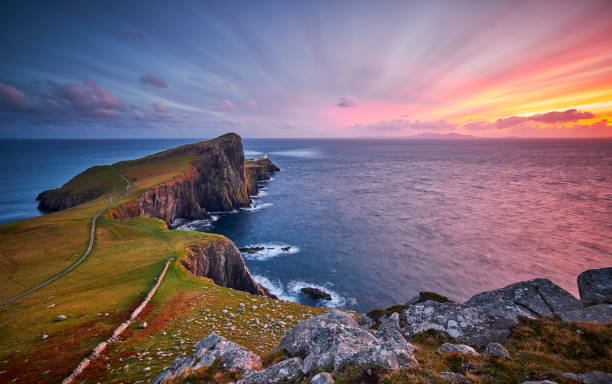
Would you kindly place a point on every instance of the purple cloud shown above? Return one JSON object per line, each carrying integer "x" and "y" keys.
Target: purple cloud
{"x": 553, "y": 117}
{"x": 153, "y": 80}
{"x": 160, "y": 108}
{"x": 89, "y": 100}
{"x": 224, "y": 106}
{"x": 13, "y": 99}
{"x": 347, "y": 102}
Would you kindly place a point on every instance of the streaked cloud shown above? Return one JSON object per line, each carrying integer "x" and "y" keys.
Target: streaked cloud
{"x": 153, "y": 80}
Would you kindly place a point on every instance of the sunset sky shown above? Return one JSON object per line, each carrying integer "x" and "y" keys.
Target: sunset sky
{"x": 305, "y": 69}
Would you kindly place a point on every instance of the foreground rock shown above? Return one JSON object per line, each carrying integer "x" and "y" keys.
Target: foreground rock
{"x": 489, "y": 316}
{"x": 322, "y": 378}
{"x": 316, "y": 293}
{"x": 595, "y": 286}
{"x": 461, "y": 349}
{"x": 233, "y": 357}
{"x": 497, "y": 350}
{"x": 284, "y": 371}
{"x": 334, "y": 338}
{"x": 594, "y": 377}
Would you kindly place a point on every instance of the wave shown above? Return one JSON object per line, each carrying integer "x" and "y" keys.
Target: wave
{"x": 194, "y": 225}
{"x": 257, "y": 207}
{"x": 260, "y": 193}
{"x": 269, "y": 251}
{"x": 293, "y": 292}
{"x": 306, "y": 153}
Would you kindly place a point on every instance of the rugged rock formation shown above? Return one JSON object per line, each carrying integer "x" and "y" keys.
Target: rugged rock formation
{"x": 461, "y": 349}
{"x": 234, "y": 357}
{"x": 217, "y": 182}
{"x": 286, "y": 371}
{"x": 595, "y": 286}
{"x": 334, "y": 338}
{"x": 488, "y": 317}
{"x": 221, "y": 261}
{"x": 257, "y": 170}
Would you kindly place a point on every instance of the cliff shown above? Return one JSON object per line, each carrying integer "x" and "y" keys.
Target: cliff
{"x": 86, "y": 186}
{"x": 217, "y": 179}
{"x": 221, "y": 261}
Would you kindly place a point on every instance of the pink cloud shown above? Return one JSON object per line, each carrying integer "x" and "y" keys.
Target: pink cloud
{"x": 12, "y": 98}
{"x": 570, "y": 115}
{"x": 160, "y": 108}
{"x": 153, "y": 80}
{"x": 224, "y": 106}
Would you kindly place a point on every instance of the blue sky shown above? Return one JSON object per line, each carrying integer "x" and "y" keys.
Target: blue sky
{"x": 304, "y": 69}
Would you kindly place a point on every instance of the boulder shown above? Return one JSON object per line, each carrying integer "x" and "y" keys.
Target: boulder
{"x": 594, "y": 377}
{"x": 601, "y": 313}
{"x": 334, "y": 338}
{"x": 316, "y": 293}
{"x": 489, "y": 316}
{"x": 143, "y": 325}
{"x": 497, "y": 350}
{"x": 61, "y": 318}
{"x": 322, "y": 378}
{"x": 595, "y": 286}
{"x": 461, "y": 349}
{"x": 541, "y": 297}
{"x": 469, "y": 324}
{"x": 456, "y": 378}
{"x": 234, "y": 357}
{"x": 283, "y": 371}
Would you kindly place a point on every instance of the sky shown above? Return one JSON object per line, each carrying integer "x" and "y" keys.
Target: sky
{"x": 131, "y": 69}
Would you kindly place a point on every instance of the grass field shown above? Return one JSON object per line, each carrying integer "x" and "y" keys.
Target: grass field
{"x": 100, "y": 293}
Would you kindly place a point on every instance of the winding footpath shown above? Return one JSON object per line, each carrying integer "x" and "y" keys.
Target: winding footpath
{"x": 99, "y": 349}
{"x": 92, "y": 236}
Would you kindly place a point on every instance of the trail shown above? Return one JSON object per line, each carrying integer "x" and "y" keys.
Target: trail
{"x": 92, "y": 237}
{"x": 97, "y": 351}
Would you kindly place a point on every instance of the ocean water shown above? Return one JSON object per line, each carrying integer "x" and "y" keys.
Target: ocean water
{"x": 374, "y": 222}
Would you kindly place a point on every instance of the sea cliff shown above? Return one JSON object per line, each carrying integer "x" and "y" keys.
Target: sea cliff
{"x": 215, "y": 177}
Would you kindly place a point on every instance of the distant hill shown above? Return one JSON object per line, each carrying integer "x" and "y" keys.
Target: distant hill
{"x": 442, "y": 136}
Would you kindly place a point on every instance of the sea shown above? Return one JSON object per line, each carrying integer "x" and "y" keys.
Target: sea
{"x": 375, "y": 221}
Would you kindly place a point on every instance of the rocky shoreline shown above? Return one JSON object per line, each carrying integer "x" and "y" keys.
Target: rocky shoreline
{"x": 319, "y": 347}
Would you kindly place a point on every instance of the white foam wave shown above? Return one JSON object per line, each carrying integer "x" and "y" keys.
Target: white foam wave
{"x": 260, "y": 193}
{"x": 269, "y": 251}
{"x": 293, "y": 292}
{"x": 257, "y": 207}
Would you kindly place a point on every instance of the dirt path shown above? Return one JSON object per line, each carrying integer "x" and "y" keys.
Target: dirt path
{"x": 92, "y": 236}
{"x": 97, "y": 351}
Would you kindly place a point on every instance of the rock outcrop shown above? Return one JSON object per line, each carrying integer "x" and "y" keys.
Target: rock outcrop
{"x": 461, "y": 349}
{"x": 286, "y": 371}
{"x": 256, "y": 170}
{"x": 488, "y": 317}
{"x": 220, "y": 260}
{"x": 216, "y": 182}
{"x": 334, "y": 338}
{"x": 234, "y": 357}
{"x": 595, "y": 286}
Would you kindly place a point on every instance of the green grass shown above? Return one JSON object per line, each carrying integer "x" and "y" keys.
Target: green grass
{"x": 126, "y": 258}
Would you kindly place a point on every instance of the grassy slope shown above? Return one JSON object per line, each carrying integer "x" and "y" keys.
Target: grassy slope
{"x": 126, "y": 258}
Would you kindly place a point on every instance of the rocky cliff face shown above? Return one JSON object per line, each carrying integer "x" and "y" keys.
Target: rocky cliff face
{"x": 256, "y": 170}
{"x": 221, "y": 261}
{"x": 217, "y": 182}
